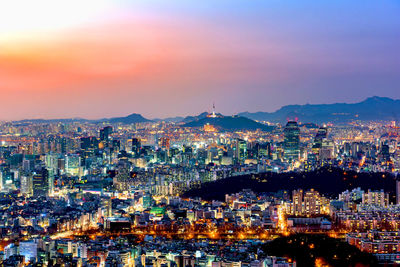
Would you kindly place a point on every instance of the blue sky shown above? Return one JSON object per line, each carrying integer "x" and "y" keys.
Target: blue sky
{"x": 166, "y": 58}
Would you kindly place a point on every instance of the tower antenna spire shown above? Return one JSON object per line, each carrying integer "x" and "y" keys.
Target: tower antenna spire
{"x": 213, "y": 114}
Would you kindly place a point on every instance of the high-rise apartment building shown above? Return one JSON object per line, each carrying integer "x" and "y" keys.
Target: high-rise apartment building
{"x": 376, "y": 198}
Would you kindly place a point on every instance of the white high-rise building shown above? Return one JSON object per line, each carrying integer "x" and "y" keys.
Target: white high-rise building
{"x": 26, "y": 185}
{"x": 10, "y": 250}
{"x": 28, "y": 250}
{"x": 72, "y": 164}
{"x": 377, "y": 198}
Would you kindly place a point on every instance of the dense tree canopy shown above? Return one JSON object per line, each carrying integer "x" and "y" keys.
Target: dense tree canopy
{"x": 318, "y": 250}
{"x": 328, "y": 181}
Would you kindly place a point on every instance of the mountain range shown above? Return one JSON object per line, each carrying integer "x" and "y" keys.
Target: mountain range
{"x": 372, "y": 108}
{"x": 133, "y": 118}
{"x": 130, "y": 119}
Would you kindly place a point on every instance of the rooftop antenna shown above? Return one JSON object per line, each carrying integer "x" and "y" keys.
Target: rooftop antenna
{"x": 213, "y": 115}
{"x": 214, "y": 108}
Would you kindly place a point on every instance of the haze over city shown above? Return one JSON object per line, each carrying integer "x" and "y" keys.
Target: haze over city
{"x": 106, "y": 58}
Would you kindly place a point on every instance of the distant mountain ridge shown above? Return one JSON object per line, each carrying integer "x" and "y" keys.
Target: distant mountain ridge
{"x": 169, "y": 119}
{"x": 133, "y": 118}
{"x": 53, "y": 120}
{"x": 130, "y": 119}
{"x": 373, "y": 108}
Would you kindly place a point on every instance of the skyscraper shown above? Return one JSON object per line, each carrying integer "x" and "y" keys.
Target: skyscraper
{"x": 136, "y": 146}
{"x": 264, "y": 150}
{"x": 292, "y": 141}
{"x": 89, "y": 143}
{"x": 40, "y": 182}
{"x": 320, "y": 136}
{"x": 109, "y": 207}
{"x": 327, "y": 150}
{"x": 26, "y": 185}
{"x": 384, "y": 152}
{"x": 28, "y": 249}
{"x": 72, "y": 164}
{"x": 105, "y": 135}
{"x": 240, "y": 151}
{"x": 319, "y": 140}
{"x": 164, "y": 142}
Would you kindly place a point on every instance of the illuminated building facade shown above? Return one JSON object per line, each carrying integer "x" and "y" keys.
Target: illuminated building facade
{"x": 240, "y": 150}
{"x": 308, "y": 203}
{"x": 377, "y": 198}
{"x": 40, "y": 183}
{"x": 292, "y": 141}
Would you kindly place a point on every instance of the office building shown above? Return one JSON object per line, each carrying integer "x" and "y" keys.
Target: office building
{"x": 292, "y": 141}
{"x": 240, "y": 151}
{"x": 40, "y": 183}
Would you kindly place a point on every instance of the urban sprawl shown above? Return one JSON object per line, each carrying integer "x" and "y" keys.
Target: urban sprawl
{"x": 97, "y": 194}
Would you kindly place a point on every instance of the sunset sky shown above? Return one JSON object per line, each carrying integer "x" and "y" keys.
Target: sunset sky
{"x": 160, "y": 58}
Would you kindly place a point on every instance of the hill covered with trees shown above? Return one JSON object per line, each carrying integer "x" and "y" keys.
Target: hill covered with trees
{"x": 318, "y": 250}
{"x": 328, "y": 181}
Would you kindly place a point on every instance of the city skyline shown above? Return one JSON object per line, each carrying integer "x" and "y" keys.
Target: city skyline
{"x": 162, "y": 60}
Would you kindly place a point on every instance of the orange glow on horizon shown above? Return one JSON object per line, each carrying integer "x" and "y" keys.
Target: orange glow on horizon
{"x": 88, "y": 61}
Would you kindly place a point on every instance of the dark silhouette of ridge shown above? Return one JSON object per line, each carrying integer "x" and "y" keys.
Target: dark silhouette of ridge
{"x": 373, "y": 108}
